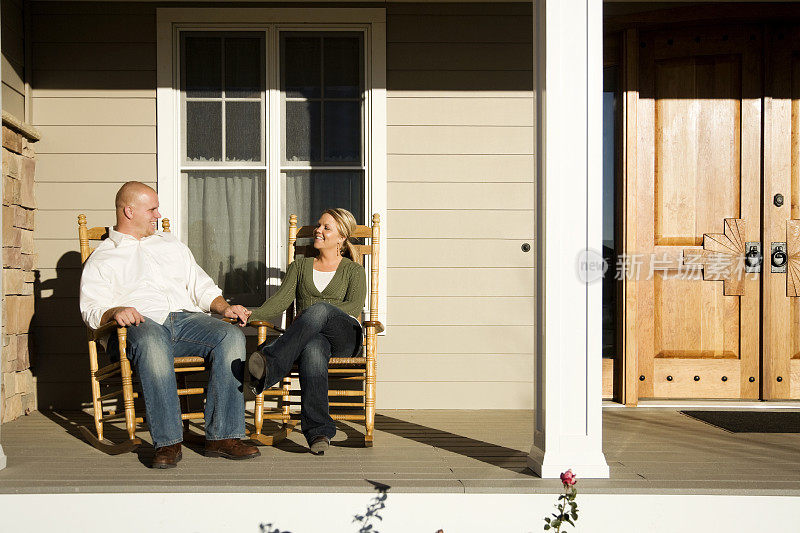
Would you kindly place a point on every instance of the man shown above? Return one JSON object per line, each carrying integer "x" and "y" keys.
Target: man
{"x": 149, "y": 282}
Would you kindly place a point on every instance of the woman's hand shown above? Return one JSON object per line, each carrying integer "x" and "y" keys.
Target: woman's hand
{"x": 239, "y": 312}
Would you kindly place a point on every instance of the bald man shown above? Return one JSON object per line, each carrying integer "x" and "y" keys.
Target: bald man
{"x": 149, "y": 282}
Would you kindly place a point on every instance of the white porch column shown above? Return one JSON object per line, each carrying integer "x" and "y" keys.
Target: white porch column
{"x": 2, "y": 334}
{"x": 568, "y": 70}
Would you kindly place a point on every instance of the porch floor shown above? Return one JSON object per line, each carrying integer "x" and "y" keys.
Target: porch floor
{"x": 649, "y": 450}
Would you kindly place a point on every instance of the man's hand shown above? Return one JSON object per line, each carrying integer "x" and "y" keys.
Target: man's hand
{"x": 238, "y": 312}
{"x": 124, "y": 316}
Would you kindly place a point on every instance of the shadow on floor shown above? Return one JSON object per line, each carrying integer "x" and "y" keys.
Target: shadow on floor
{"x": 72, "y": 420}
{"x": 491, "y": 454}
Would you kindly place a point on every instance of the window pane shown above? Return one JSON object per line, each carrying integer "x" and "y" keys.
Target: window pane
{"x": 243, "y": 67}
{"x": 204, "y": 131}
{"x": 226, "y": 230}
{"x": 610, "y": 150}
{"x": 342, "y": 131}
{"x": 310, "y": 192}
{"x": 342, "y": 67}
{"x": 302, "y": 67}
{"x": 243, "y": 131}
{"x": 203, "y": 63}
{"x": 302, "y": 131}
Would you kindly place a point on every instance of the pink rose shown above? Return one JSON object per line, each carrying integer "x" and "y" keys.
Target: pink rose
{"x": 568, "y": 478}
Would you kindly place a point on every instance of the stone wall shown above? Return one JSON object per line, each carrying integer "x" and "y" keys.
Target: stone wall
{"x": 19, "y": 261}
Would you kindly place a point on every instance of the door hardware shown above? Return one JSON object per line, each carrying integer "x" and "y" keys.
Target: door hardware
{"x": 779, "y": 258}
{"x": 778, "y": 200}
{"x": 752, "y": 259}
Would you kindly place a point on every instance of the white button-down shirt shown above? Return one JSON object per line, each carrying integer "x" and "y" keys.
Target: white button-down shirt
{"x": 156, "y": 275}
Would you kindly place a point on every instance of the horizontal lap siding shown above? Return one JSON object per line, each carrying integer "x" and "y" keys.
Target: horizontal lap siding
{"x": 460, "y": 199}
{"x": 13, "y": 58}
{"x": 94, "y": 101}
{"x": 460, "y": 191}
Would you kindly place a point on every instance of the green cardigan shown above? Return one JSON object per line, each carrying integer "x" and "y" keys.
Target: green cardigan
{"x": 346, "y": 290}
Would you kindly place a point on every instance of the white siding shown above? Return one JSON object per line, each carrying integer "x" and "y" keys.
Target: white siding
{"x": 93, "y": 99}
{"x": 13, "y": 58}
{"x": 460, "y": 198}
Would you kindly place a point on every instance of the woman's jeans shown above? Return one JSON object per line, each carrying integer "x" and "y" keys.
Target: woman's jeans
{"x": 152, "y": 349}
{"x": 322, "y": 331}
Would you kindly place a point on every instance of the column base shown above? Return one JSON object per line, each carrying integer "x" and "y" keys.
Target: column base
{"x": 583, "y": 465}
{"x": 2, "y": 459}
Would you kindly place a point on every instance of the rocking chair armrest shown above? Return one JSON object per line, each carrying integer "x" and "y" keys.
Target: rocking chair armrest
{"x": 103, "y": 329}
{"x": 264, "y": 323}
{"x": 373, "y": 324}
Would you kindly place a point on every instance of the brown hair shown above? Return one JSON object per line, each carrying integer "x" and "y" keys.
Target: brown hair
{"x": 346, "y": 223}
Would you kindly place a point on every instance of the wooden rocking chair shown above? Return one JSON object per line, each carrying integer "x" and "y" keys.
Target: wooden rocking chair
{"x": 121, "y": 371}
{"x": 348, "y": 369}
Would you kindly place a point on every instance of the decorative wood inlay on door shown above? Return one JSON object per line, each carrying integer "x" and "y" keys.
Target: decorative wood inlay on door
{"x": 793, "y": 263}
{"x": 722, "y": 256}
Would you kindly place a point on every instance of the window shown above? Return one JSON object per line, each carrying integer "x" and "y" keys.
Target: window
{"x": 322, "y": 163}
{"x": 264, "y": 112}
{"x": 223, "y": 172}
{"x": 611, "y": 117}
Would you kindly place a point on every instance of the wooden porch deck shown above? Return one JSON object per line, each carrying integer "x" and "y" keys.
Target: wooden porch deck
{"x": 649, "y": 450}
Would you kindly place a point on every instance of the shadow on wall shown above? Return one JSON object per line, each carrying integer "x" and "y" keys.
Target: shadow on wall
{"x": 59, "y": 361}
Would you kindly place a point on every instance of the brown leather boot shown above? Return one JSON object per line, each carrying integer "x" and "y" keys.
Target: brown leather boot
{"x": 230, "y": 449}
{"x": 167, "y": 456}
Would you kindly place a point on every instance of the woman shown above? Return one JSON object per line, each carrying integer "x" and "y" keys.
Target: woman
{"x": 329, "y": 292}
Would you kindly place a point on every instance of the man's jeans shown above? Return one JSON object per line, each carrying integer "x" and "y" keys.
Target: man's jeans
{"x": 321, "y": 331}
{"x": 152, "y": 349}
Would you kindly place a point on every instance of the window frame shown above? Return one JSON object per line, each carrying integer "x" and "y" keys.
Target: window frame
{"x": 370, "y": 22}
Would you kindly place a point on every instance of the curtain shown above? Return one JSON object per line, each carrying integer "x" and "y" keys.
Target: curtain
{"x": 226, "y": 216}
{"x": 308, "y": 193}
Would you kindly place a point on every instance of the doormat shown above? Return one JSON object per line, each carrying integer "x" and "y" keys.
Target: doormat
{"x": 750, "y": 421}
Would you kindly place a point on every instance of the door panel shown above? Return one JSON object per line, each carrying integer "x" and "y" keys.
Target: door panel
{"x": 781, "y": 307}
{"x": 697, "y": 197}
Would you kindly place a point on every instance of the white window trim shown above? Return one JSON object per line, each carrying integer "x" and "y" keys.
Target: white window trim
{"x": 371, "y": 20}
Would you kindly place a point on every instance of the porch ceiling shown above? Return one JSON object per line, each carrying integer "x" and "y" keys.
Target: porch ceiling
{"x": 648, "y": 450}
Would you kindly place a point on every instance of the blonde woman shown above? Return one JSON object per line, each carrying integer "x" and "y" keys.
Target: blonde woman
{"x": 328, "y": 291}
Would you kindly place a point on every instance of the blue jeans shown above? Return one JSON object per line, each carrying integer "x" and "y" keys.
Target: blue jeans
{"x": 152, "y": 349}
{"x": 322, "y": 331}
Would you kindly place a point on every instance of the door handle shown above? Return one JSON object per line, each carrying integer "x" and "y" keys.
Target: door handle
{"x": 752, "y": 259}
{"x": 779, "y": 258}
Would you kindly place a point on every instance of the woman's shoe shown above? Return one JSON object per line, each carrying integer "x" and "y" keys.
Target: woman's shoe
{"x": 257, "y": 368}
{"x": 319, "y": 444}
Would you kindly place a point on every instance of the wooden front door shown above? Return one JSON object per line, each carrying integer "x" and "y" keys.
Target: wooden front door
{"x": 693, "y": 113}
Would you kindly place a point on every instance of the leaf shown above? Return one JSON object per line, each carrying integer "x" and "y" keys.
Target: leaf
{"x": 547, "y": 519}
{"x": 546, "y": 527}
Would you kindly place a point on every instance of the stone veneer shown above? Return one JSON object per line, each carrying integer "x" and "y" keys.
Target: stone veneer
{"x": 19, "y": 261}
